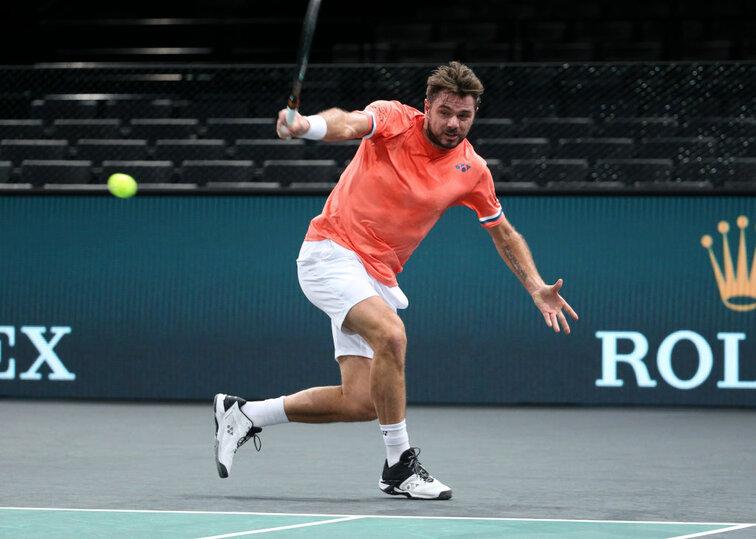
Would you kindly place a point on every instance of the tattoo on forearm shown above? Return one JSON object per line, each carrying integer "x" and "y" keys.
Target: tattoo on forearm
{"x": 514, "y": 264}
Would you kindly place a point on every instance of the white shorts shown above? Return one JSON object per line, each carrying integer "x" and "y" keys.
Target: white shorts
{"x": 334, "y": 279}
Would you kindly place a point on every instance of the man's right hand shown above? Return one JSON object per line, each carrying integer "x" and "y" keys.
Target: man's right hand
{"x": 299, "y": 126}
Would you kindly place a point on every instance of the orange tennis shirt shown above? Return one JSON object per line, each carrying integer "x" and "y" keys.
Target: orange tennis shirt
{"x": 396, "y": 188}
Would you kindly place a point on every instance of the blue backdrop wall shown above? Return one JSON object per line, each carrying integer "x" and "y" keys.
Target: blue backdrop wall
{"x": 180, "y": 297}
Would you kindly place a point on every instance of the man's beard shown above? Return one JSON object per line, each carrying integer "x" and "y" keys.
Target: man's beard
{"x": 438, "y": 142}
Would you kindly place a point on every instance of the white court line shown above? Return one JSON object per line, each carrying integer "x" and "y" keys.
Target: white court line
{"x": 712, "y": 532}
{"x": 293, "y": 526}
{"x": 506, "y": 519}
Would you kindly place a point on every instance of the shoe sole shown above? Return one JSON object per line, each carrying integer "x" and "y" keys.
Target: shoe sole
{"x": 393, "y": 491}
{"x": 222, "y": 471}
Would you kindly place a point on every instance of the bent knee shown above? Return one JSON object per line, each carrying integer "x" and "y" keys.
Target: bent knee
{"x": 392, "y": 340}
{"x": 362, "y": 410}
{"x": 367, "y": 413}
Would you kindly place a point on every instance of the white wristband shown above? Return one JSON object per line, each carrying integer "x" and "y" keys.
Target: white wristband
{"x": 318, "y": 128}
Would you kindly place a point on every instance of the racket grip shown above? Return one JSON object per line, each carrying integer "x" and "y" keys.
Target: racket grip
{"x": 290, "y": 115}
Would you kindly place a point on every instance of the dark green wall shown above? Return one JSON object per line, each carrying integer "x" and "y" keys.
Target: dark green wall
{"x": 182, "y": 297}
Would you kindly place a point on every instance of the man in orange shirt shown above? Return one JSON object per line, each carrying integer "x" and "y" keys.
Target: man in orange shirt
{"x": 409, "y": 169}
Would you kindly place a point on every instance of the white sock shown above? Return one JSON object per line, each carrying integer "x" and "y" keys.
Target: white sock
{"x": 267, "y": 412}
{"x": 396, "y": 439}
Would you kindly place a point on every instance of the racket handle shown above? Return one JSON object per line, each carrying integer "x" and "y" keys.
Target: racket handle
{"x": 290, "y": 115}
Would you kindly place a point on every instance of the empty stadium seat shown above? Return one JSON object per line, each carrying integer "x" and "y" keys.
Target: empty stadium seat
{"x": 524, "y": 107}
{"x": 49, "y": 109}
{"x": 663, "y": 126}
{"x": 350, "y": 53}
{"x": 412, "y": 32}
{"x": 14, "y": 107}
{"x": 75, "y": 129}
{"x": 712, "y": 50}
{"x": 737, "y": 147}
{"x": 99, "y": 150}
{"x": 507, "y": 149}
{"x": 744, "y": 169}
{"x": 556, "y": 128}
{"x": 142, "y": 171}
{"x": 673, "y": 185}
{"x": 265, "y": 150}
{"x": 743, "y": 106}
{"x": 339, "y": 151}
{"x": 6, "y": 171}
{"x": 596, "y": 107}
{"x": 546, "y": 31}
{"x": 595, "y": 148}
{"x": 630, "y": 171}
{"x": 435, "y": 52}
{"x": 190, "y": 149}
{"x": 214, "y": 109}
{"x": 543, "y": 171}
{"x": 39, "y": 172}
{"x": 561, "y": 52}
{"x": 499, "y": 171}
{"x": 493, "y": 128}
{"x": 677, "y": 147}
{"x": 701, "y": 106}
{"x": 21, "y": 129}
{"x": 485, "y": 32}
{"x": 137, "y": 107}
{"x": 585, "y": 185}
{"x": 648, "y": 51}
{"x": 203, "y": 172}
{"x": 603, "y": 31}
{"x": 17, "y": 150}
{"x": 718, "y": 127}
{"x": 301, "y": 171}
{"x": 231, "y": 129}
{"x": 490, "y": 52}
{"x": 715, "y": 171}
{"x": 153, "y": 129}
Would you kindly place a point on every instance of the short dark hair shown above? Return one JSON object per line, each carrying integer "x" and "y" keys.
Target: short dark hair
{"x": 456, "y": 78}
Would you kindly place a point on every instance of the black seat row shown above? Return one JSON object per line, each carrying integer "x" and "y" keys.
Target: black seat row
{"x": 717, "y": 172}
{"x": 231, "y": 129}
{"x": 199, "y": 172}
{"x": 536, "y": 172}
{"x": 542, "y": 51}
{"x": 503, "y": 149}
{"x": 618, "y": 127}
{"x": 150, "y": 128}
{"x": 133, "y": 107}
{"x": 518, "y": 100}
{"x": 175, "y": 150}
{"x": 591, "y": 103}
{"x": 677, "y": 148}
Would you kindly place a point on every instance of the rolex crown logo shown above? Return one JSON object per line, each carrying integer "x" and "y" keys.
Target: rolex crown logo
{"x": 737, "y": 284}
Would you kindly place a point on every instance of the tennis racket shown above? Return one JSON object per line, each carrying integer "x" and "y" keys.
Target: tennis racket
{"x": 305, "y": 43}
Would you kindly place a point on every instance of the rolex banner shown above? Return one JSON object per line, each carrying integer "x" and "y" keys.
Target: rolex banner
{"x": 181, "y": 297}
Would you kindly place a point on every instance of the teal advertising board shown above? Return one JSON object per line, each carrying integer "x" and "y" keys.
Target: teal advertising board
{"x": 180, "y": 297}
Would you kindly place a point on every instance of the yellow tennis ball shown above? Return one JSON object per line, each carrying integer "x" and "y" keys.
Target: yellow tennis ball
{"x": 122, "y": 185}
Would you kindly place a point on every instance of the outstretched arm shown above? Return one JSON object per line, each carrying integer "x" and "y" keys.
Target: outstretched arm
{"x": 340, "y": 125}
{"x": 515, "y": 252}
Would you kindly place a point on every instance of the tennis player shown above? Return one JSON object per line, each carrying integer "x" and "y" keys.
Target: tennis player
{"x": 410, "y": 167}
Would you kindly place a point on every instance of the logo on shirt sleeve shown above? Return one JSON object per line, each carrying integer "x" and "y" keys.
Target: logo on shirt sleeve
{"x": 463, "y": 167}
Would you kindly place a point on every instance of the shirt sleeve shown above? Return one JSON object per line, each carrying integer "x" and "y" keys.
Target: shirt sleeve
{"x": 483, "y": 200}
{"x": 389, "y": 118}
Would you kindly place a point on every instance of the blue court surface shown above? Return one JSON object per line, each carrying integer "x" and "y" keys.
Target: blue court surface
{"x": 64, "y": 523}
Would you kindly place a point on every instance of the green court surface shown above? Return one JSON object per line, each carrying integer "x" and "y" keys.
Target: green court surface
{"x": 65, "y": 523}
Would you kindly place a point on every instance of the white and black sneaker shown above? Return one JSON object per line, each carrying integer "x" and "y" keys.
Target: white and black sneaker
{"x": 232, "y": 430}
{"x": 408, "y": 478}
